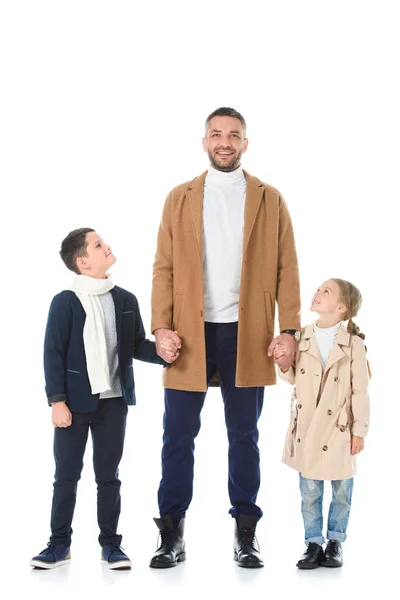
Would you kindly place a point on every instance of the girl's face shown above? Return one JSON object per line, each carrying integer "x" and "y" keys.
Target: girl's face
{"x": 326, "y": 300}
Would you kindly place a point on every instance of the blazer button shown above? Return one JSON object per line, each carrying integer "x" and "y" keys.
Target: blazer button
{"x": 298, "y": 440}
{"x": 299, "y": 405}
{"x": 329, "y": 412}
{"x": 336, "y": 379}
{"x": 325, "y": 448}
{"x": 302, "y": 371}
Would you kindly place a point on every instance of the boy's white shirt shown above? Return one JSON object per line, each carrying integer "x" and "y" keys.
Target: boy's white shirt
{"x": 87, "y": 290}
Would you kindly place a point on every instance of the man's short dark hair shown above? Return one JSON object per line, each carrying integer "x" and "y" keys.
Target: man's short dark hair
{"x": 225, "y": 111}
{"x": 74, "y": 245}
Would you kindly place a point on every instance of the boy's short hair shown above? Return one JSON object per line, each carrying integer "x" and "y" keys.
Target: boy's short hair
{"x": 74, "y": 245}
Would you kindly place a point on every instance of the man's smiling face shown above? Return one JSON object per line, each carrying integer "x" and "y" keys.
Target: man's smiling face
{"x": 225, "y": 143}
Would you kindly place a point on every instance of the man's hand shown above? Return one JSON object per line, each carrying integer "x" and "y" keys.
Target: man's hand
{"x": 61, "y": 416}
{"x": 357, "y": 444}
{"x": 168, "y": 344}
{"x": 169, "y": 347}
{"x": 285, "y": 359}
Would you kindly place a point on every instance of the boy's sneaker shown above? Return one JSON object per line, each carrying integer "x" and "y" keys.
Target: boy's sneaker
{"x": 53, "y": 556}
{"x": 115, "y": 557}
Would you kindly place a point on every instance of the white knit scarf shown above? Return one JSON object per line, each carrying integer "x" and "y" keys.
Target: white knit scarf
{"x": 88, "y": 290}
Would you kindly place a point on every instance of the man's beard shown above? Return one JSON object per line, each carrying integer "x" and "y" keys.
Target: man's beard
{"x": 226, "y": 168}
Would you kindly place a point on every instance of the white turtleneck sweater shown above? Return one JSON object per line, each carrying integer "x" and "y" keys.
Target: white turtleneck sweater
{"x": 325, "y": 337}
{"x": 223, "y": 219}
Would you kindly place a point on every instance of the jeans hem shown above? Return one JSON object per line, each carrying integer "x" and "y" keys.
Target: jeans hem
{"x": 337, "y": 535}
{"x": 315, "y": 540}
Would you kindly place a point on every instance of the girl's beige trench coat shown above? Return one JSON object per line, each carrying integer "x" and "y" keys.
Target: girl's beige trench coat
{"x": 326, "y": 408}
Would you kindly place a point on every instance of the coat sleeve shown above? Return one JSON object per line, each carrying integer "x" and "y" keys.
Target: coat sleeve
{"x": 56, "y": 342}
{"x": 289, "y": 376}
{"x": 288, "y": 286}
{"x": 360, "y": 404}
{"x": 162, "y": 287}
{"x": 144, "y": 349}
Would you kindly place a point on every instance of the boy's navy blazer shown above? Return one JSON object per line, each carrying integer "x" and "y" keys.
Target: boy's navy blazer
{"x": 64, "y": 353}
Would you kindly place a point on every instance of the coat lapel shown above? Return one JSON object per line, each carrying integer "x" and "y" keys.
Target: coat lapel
{"x": 254, "y": 194}
{"x": 337, "y": 353}
{"x": 308, "y": 343}
{"x": 195, "y": 195}
{"x": 119, "y": 306}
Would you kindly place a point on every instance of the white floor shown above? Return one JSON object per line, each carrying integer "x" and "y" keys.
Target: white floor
{"x": 209, "y": 569}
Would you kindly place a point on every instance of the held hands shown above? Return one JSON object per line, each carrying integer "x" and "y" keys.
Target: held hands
{"x": 61, "y": 416}
{"x": 283, "y": 349}
{"x": 168, "y": 344}
{"x": 357, "y": 444}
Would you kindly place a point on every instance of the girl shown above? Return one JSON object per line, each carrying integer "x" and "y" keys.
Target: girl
{"x": 329, "y": 416}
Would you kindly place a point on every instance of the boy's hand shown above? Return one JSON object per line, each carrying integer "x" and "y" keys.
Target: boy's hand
{"x": 169, "y": 347}
{"x": 167, "y": 335}
{"x": 61, "y": 416}
{"x": 357, "y": 444}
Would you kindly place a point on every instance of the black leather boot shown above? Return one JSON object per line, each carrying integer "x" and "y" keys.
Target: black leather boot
{"x": 333, "y": 556}
{"x": 172, "y": 547}
{"x": 312, "y": 557}
{"x": 246, "y": 548}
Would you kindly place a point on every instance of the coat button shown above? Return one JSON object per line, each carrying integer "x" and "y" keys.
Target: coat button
{"x": 325, "y": 448}
{"x": 298, "y": 440}
{"x": 342, "y": 428}
{"x": 299, "y": 405}
{"x": 302, "y": 371}
{"x": 329, "y": 412}
{"x": 336, "y": 379}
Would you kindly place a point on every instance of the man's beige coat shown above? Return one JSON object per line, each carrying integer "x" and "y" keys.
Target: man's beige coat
{"x": 269, "y": 275}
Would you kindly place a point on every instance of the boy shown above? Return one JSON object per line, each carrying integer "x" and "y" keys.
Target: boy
{"x": 93, "y": 332}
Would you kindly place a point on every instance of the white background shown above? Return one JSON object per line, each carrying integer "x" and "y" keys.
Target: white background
{"x": 102, "y": 112}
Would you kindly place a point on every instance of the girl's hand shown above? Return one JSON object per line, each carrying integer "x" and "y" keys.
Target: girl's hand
{"x": 357, "y": 444}
{"x": 279, "y": 350}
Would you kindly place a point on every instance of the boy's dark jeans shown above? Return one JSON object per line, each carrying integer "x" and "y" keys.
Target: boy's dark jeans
{"x": 107, "y": 425}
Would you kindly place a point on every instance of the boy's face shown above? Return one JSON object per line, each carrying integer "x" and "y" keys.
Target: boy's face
{"x": 326, "y": 300}
{"x": 98, "y": 259}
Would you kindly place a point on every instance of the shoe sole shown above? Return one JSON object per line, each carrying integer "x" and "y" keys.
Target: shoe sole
{"x": 121, "y": 565}
{"x": 160, "y": 565}
{"x": 38, "y": 564}
{"x": 308, "y": 567}
{"x": 330, "y": 565}
{"x": 248, "y": 565}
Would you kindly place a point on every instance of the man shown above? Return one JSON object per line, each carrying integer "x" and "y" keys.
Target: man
{"x": 225, "y": 255}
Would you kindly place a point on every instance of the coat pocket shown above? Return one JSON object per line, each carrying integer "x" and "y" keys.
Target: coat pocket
{"x": 269, "y": 313}
{"x": 177, "y": 310}
{"x": 343, "y": 419}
